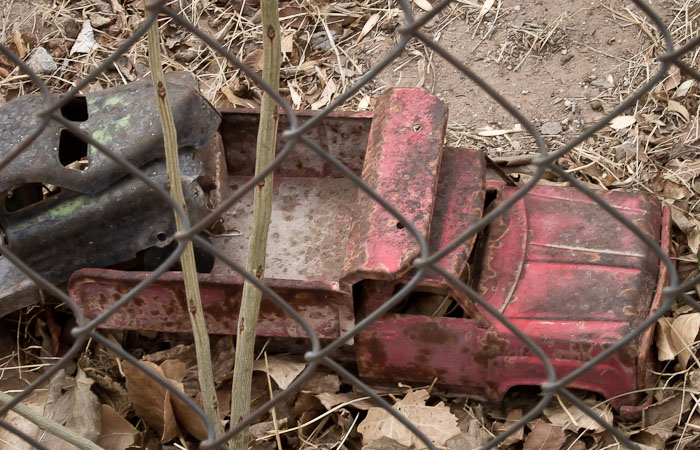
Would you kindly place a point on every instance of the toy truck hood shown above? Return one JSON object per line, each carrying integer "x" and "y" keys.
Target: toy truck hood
{"x": 558, "y": 256}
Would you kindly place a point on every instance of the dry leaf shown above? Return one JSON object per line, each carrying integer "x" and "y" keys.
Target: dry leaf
{"x": 476, "y": 436}
{"x": 117, "y": 432}
{"x": 287, "y": 41}
{"x": 255, "y": 60}
{"x": 364, "y": 103}
{"x": 683, "y": 89}
{"x": 234, "y": 99}
{"x": 329, "y": 400}
{"x": 371, "y": 22}
{"x": 680, "y": 109}
{"x": 85, "y": 412}
{"x": 436, "y": 422}
{"x": 673, "y": 335}
{"x": 544, "y": 437}
{"x": 690, "y": 226}
{"x": 385, "y": 443}
{"x": 485, "y": 8}
{"x": 150, "y": 400}
{"x": 35, "y": 401}
{"x": 282, "y": 368}
{"x": 661, "y": 418}
{"x": 575, "y": 419}
{"x": 296, "y": 98}
{"x": 326, "y": 95}
{"x": 17, "y": 40}
{"x": 320, "y": 382}
{"x": 85, "y": 42}
{"x": 673, "y": 79}
{"x": 513, "y": 417}
{"x": 423, "y": 4}
{"x": 621, "y": 122}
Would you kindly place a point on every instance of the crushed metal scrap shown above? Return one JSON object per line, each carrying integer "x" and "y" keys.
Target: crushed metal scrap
{"x": 64, "y": 205}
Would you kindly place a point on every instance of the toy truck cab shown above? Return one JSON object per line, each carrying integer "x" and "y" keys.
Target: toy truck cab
{"x": 556, "y": 264}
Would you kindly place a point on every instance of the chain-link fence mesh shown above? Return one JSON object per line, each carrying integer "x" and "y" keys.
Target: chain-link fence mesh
{"x": 317, "y": 354}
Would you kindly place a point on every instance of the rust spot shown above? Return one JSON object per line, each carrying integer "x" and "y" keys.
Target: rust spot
{"x": 161, "y": 90}
{"x": 431, "y": 333}
{"x": 270, "y": 32}
{"x": 259, "y": 273}
{"x": 491, "y": 344}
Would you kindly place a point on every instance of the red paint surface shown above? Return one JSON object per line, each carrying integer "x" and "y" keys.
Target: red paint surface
{"x": 401, "y": 164}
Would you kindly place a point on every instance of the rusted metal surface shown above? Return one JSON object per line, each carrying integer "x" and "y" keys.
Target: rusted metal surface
{"x": 607, "y": 273}
{"x": 60, "y": 217}
{"x": 401, "y": 164}
{"x": 309, "y": 228}
{"x": 162, "y": 306}
{"x": 70, "y": 230}
{"x": 566, "y": 274}
{"x": 125, "y": 119}
{"x": 342, "y": 134}
{"x": 215, "y": 179}
{"x": 459, "y": 203}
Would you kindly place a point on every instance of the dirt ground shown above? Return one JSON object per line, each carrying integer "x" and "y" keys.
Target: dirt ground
{"x": 536, "y": 54}
{"x": 562, "y": 63}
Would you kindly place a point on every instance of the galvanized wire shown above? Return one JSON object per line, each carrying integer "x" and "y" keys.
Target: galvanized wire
{"x": 318, "y": 355}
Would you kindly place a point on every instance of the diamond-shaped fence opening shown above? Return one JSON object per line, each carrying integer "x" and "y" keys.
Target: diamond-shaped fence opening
{"x": 390, "y": 197}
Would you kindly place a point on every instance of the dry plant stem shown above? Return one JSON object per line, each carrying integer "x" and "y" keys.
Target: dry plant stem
{"x": 189, "y": 269}
{"x": 52, "y": 427}
{"x": 262, "y": 209}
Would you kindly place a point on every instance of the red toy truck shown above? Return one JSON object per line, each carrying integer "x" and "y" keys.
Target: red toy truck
{"x": 561, "y": 269}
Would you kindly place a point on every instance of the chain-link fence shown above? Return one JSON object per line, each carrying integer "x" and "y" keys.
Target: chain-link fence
{"x": 317, "y": 354}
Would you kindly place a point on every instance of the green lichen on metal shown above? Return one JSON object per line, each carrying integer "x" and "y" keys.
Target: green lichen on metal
{"x": 103, "y": 136}
{"x": 64, "y": 209}
{"x": 115, "y": 100}
{"x": 123, "y": 122}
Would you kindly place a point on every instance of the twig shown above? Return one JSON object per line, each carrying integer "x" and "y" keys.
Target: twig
{"x": 262, "y": 210}
{"x": 273, "y": 410}
{"x": 189, "y": 269}
{"x": 52, "y": 427}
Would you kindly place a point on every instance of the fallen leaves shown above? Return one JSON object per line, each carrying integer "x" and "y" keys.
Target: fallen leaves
{"x": 544, "y": 436}
{"x": 570, "y": 417}
{"x": 425, "y": 4}
{"x": 282, "y": 368}
{"x": 371, "y": 22}
{"x": 620, "y": 122}
{"x": 326, "y": 95}
{"x": 117, "y": 432}
{"x": 674, "y": 336}
{"x": 436, "y": 422}
{"x": 85, "y": 42}
{"x": 155, "y": 404}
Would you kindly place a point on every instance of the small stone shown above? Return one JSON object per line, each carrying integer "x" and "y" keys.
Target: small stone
{"x": 516, "y": 8}
{"x": 551, "y": 128}
{"x": 597, "y": 105}
{"x": 41, "y": 61}
{"x": 525, "y": 92}
{"x": 605, "y": 84}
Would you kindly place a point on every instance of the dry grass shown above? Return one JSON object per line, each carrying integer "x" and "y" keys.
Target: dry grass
{"x": 656, "y": 154}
